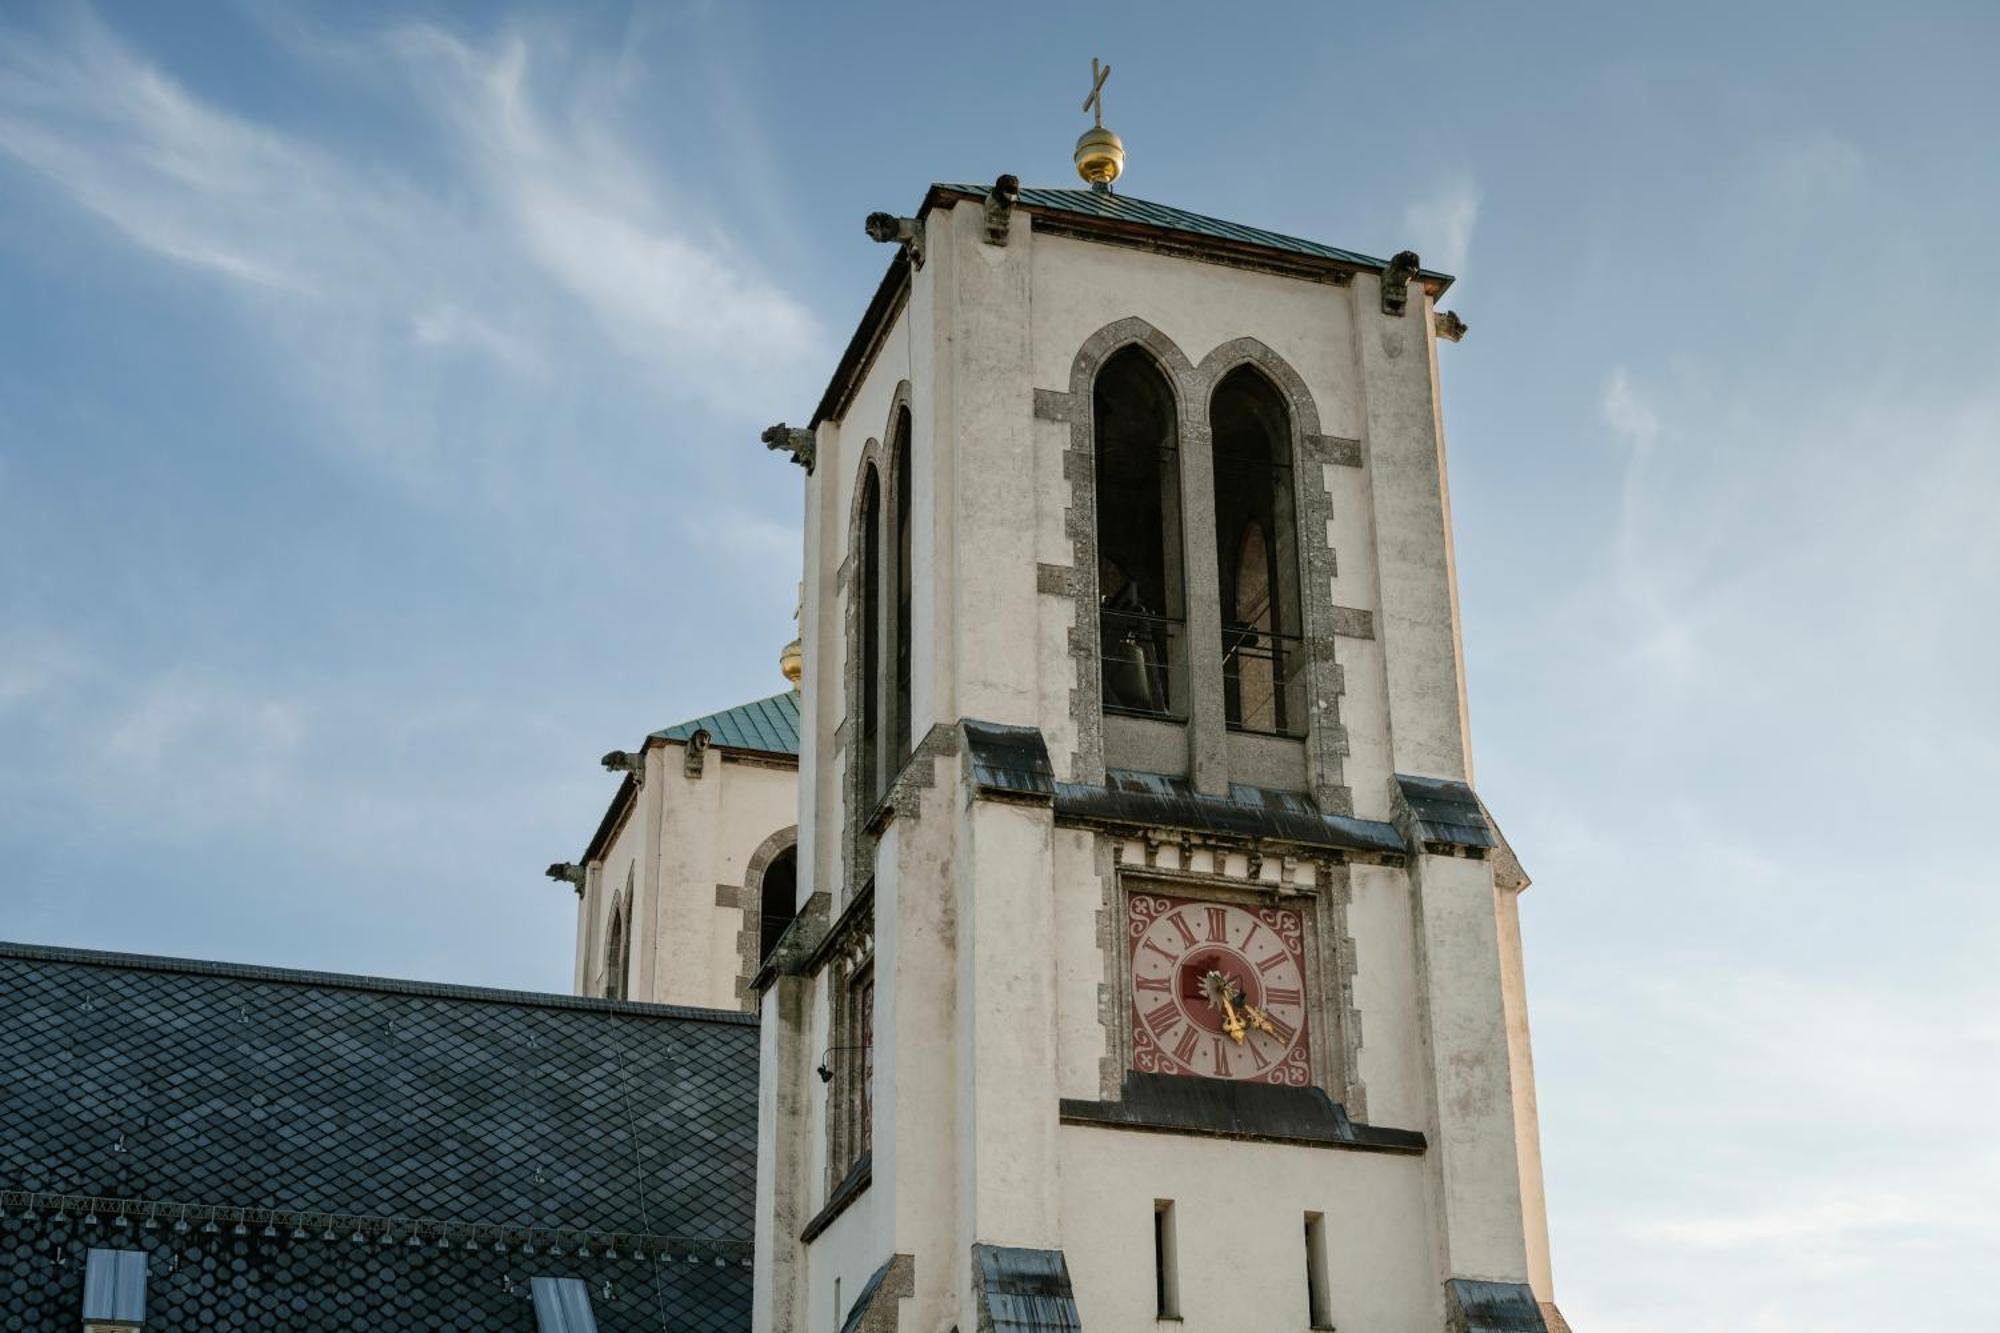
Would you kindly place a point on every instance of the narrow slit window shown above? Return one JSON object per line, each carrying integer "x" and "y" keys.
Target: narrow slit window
{"x": 1166, "y": 1262}
{"x": 618, "y": 944}
{"x": 868, "y": 615}
{"x": 899, "y": 703}
{"x": 1142, "y": 607}
{"x": 1257, "y": 557}
{"x": 1318, "y": 1300}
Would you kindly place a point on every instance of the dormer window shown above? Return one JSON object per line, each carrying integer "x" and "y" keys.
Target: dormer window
{"x": 1141, "y": 585}
{"x": 114, "y": 1291}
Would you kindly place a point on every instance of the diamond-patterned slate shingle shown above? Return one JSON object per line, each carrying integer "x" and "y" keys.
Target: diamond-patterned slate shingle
{"x": 325, "y": 1107}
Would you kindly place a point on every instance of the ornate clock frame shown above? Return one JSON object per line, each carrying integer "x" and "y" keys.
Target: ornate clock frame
{"x": 1315, "y": 886}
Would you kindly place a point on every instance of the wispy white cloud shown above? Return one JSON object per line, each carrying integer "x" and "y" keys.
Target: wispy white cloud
{"x": 547, "y": 242}
{"x": 1441, "y": 223}
{"x": 191, "y": 749}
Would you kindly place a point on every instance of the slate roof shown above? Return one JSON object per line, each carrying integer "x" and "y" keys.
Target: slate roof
{"x": 1445, "y": 813}
{"x": 314, "y": 1151}
{"x": 768, "y": 726}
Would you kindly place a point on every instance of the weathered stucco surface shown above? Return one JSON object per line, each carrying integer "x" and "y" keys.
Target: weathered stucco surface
{"x": 998, "y": 990}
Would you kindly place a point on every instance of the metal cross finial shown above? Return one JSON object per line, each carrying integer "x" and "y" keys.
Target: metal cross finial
{"x": 1095, "y": 102}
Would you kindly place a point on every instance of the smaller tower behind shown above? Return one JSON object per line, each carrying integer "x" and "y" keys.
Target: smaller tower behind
{"x": 691, "y": 875}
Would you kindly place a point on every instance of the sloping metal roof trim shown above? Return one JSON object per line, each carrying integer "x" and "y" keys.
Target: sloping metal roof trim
{"x": 1150, "y": 800}
{"x": 763, "y": 726}
{"x": 436, "y": 990}
{"x": 1123, "y": 208}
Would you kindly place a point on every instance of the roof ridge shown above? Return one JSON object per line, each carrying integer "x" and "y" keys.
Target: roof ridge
{"x": 50, "y": 953}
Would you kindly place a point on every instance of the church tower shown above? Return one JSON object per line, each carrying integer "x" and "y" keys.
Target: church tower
{"x": 1154, "y": 956}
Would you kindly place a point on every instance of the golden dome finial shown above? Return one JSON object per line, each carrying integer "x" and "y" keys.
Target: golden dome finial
{"x": 792, "y": 661}
{"x": 1100, "y": 154}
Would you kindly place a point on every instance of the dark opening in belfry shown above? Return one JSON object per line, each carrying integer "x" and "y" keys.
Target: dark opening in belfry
{"x": 777, "y": 900}
{"x": 899, "y": 703}
{"x": 1142, "y": 595}
{"x": 868, "y": 735}
{"x": 1257, "y": 557}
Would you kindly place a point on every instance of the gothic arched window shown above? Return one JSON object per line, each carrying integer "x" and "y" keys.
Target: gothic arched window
{"x": 868, "y": 622}
{"x": 899, "y": 702}
{"x": 1142, "y": 613}
{"x": 618, "y": 944}
{"x": 1257, "y": 557}
{"x": 777, "y": 900}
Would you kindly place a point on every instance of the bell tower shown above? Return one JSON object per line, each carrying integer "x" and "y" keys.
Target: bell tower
{"x": 1155, "y": 957}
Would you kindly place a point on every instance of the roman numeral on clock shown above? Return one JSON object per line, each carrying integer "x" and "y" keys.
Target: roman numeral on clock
{"x": 1163, "y": 1017}
{"x": 1276, "y": 960}
{"x": 1162, "y": 984}
{"x": 1218, "y": 926}
{"x": 1179, "y": 922}
{"x": 1184, "y": 1048}
{"x": 1278, "y": 996}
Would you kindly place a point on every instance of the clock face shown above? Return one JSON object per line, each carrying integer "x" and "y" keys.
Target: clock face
{"x": 1217, "y": 990}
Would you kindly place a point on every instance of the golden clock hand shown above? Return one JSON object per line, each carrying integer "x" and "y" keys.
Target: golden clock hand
{"x": 1259, "y": 1020}
{"x": 1220, "y": 990}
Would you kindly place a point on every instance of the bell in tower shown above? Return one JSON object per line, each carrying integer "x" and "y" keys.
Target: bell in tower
{"x": 1155, "y": 957}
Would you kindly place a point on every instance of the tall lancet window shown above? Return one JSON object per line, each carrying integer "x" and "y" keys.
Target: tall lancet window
{"x": 777, "y": 902}
{"x": 618, "y": 945}
{"x": 868, "y": 621}
{"x": 899, "y": 702}
{"x": 1142, "y": 615}
{"x": 1257, "y": 557}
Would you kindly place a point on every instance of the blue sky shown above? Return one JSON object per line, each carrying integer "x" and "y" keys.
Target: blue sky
{"x": 379, "y": 390}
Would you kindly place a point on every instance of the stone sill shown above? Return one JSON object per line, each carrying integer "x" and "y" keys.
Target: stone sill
{"x": 851, "y": 1187}
{"x": 1256, "y": 1112}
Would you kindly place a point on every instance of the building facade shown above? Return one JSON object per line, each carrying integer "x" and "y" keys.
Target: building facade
{"x": 1154, "y": 956}
{"x": 690, "y": 875}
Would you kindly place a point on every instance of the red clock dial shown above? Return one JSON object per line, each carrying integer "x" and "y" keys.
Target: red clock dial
{"x": 1218, "y": 990}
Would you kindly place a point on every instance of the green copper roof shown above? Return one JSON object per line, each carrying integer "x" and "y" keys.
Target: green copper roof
{"x": 769, "y": 726}
{"x": 1124, "y": 208}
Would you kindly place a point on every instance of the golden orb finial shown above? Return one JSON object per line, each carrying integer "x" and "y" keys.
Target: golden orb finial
{"x": 1100, "y": 154}
{"x": 792, "y": 661}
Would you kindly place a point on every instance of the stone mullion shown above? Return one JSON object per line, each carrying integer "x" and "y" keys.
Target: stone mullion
{"x": 1208, "y": 729}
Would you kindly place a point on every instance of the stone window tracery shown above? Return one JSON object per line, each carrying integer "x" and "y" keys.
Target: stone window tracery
{"x": 1142, "y": 613}
{"x": 1257, "y": 562}
{"x": 900, "y": 573}
{"x": 848, "y": 1068}
{"x": 868, "y": 724}
{"x": 618, "y": 944}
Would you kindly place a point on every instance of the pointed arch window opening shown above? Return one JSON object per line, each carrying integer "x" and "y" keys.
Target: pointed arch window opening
{"x": 867, "y": 740}
{"x": 1257, "y": 558}
{"x": 777, "y": 900}
{"x": 1142, "y": 611}
{"x": 618, "y": 945}
{"x": 899, "y": 567}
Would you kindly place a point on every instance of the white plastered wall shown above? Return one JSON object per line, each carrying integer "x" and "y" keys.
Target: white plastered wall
{"x": 684, "y": 944}
{"x": 991, "y": 647}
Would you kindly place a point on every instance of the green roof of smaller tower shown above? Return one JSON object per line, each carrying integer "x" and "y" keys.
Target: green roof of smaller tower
{"x": 768, "y": 726}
